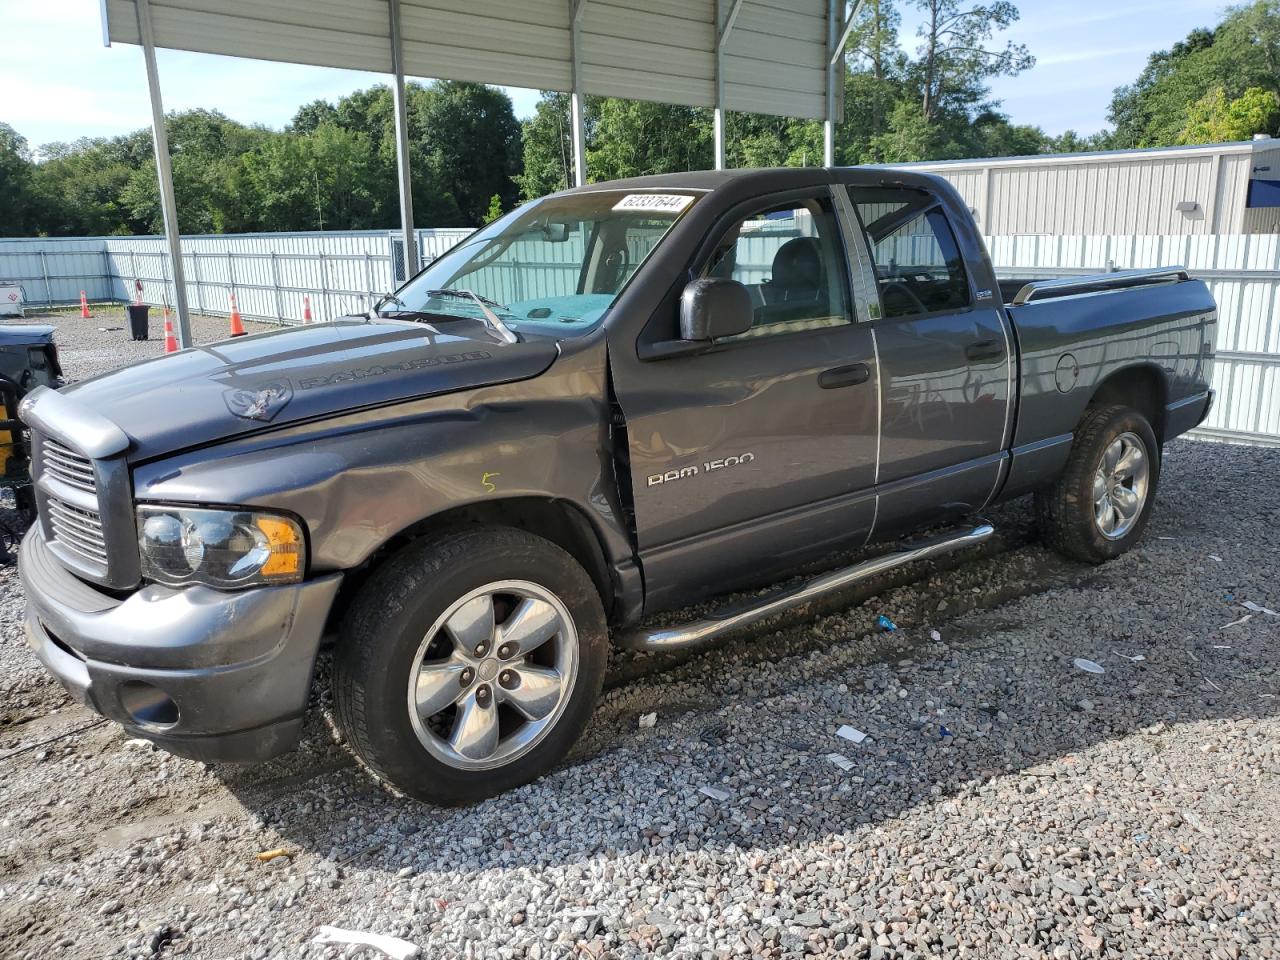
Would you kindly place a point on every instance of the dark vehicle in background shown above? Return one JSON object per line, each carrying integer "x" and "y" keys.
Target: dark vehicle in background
{"x": 28, "y": 359}
{"x": 611, "y": 403}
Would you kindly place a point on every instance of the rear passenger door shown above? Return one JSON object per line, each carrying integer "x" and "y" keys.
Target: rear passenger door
{"x": 945, "y": 362}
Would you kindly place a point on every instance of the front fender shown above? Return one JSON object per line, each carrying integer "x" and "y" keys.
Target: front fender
{"x": 358, "y": 480}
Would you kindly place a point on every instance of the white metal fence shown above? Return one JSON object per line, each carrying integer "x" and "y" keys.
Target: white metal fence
{"x": 340, "y": 272}
{"x": 1243, "y": 273}
{"x": 269, "y": 273}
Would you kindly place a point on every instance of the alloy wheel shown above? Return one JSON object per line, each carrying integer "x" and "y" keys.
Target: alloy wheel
{"x": 493, "y": 675}
{"x": 1120, "y": 486}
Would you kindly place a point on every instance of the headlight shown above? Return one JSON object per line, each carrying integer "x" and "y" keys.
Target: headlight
{"x": 219, "y": 548}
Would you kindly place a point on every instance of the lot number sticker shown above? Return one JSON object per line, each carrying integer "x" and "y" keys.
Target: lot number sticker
{"x": 656, "y": 202}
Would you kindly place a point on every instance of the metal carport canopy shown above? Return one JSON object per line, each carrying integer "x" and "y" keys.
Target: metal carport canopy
{"x": 759, "y": 56}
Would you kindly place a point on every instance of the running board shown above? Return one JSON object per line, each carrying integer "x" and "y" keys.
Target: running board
{"x": 737, "y": 616}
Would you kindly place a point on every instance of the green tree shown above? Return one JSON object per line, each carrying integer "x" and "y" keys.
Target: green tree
{"x": 636, "y": 138}
{"x": 547, "y": 148}
{"x": 1215, "y": 119}
{"x": 1239, "y": 54}
{"x": 17, "y": 200}
{"x": 471, "y": 137}
{"x": 956, "y": 55}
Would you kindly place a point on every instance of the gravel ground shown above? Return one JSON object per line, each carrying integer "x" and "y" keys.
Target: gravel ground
{"x": 1003, "y": 804}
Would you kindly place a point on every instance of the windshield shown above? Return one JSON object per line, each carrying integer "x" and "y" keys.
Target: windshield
{"x": 552, "y": 267}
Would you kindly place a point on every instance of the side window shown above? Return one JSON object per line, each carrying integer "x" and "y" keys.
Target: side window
{"x": 790, "y": 259}
{"x": 919, "y": 266}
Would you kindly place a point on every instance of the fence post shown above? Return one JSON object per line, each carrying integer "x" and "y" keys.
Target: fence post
{"x": 107, "y": 275}
{"x": 164, "y": 277}
{"x": 133, "y": 265}
{"x": 368, "y": 281}
{"x": 275, "y": 285}
{"x": 231, "y": 272}
{"x": 324, "y": 289}
{"x": 44, "y": 269}
{"x": 195, "y": 275}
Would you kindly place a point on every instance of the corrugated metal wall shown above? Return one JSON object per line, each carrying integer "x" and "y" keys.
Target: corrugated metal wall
{"x": 341, "y": 272}
{"x": 1133, "y": 191}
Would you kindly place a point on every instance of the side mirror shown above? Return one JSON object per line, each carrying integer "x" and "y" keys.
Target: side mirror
{"x": 555, "y": 232}
{"x": 711, "y": 308}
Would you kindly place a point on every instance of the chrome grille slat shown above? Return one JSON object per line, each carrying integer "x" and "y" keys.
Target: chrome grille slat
{"x": 79, "y": 530}
{"x": 75, "y": 518}
{"x": 68, "y": 466}
{"x": 75, "y": 543}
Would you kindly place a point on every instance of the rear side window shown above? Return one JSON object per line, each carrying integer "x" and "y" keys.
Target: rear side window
{"x": 919, "y": 267}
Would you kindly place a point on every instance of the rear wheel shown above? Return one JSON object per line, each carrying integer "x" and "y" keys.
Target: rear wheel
{"x": 1098, "y": 507}
{"x": 470, "y": 664}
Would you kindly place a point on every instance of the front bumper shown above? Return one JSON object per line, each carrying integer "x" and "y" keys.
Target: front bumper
{"x": 204, "y": 673}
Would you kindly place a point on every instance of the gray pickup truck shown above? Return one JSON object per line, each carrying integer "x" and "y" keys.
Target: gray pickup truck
{"x": 612, "y": 402}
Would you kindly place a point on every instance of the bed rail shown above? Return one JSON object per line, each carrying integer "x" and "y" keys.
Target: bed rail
{"x": 1098, "y": 283}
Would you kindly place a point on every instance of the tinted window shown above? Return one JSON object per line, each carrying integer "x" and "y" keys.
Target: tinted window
{"x": 918, "y": 263}
{"x": 789, "y": 258}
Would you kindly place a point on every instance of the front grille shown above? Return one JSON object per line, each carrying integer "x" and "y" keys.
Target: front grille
{"x": 80, "y": 531}
{"x": 68, "y": 466}
{"x": 83, "y": 490}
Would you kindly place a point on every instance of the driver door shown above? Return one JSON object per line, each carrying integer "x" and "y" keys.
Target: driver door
{"x": 757, "y": 455}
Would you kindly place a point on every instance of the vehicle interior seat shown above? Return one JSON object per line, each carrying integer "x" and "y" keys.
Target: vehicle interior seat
{"x": 796, "y": 289}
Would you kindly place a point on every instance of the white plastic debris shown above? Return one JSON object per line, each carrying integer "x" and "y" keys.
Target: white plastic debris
{"x": 1134, "y": 659}
{"x": 1215, "y": 558}
{"x": 852, "y": 734}
{"x": 1088, "y": 666}
{"x": 715, "y": 793}
{"x": 1235, "y": 623}
{"x": 935, "y": 636}
{"x": 1259, "y": 608}
{"x": 648, "y": 721}
{"x": 390, "y": 946}
{"x": 841, "y": 761}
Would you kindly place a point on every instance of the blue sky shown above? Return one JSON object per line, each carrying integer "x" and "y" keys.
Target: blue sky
{"x": 58, "y": 82}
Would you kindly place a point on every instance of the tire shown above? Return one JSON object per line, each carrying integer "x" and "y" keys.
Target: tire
{"x": 1072, "y": 519}
{"x": 422, "y": 615}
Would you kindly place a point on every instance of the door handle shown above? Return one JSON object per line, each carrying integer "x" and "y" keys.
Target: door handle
{"x": 850, "y": 376}
{"x": 985, "y": 350}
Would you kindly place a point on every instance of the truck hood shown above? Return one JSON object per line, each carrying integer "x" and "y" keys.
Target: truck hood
{"x": 235, "y": 387}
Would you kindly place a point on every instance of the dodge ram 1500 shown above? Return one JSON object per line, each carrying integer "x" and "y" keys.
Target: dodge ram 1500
{"x": 612, "y": 402}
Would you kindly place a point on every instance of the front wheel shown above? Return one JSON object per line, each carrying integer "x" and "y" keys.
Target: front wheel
{"x": 1098, "y": 507}
{"x": 470, "y": 664}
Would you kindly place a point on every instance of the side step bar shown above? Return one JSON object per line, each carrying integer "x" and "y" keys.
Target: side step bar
{"x": 737, "y": 616}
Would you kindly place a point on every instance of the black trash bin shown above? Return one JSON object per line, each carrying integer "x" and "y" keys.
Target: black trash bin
{"x": 138, "y": 320}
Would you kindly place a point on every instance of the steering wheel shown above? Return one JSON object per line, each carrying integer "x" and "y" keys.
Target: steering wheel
{"x": 616, "y": 261}
{"x": 905, "y": 290}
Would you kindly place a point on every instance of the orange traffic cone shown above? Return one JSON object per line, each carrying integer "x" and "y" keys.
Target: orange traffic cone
{"x": 306, "y": 309}
{"x": 170, "y": 341}
{"x": 237, "y": 325}
{"x": 84, "y": 306}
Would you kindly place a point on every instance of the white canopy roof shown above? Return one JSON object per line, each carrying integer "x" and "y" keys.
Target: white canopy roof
{"x": 775, "y": 52}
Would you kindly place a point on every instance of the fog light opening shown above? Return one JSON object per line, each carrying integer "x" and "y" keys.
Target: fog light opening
{"x": 147, "y": 705}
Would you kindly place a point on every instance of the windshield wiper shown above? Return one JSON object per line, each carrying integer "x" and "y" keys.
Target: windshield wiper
{"x": 385, "y": 298}
{"x": 504, "y": 332}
